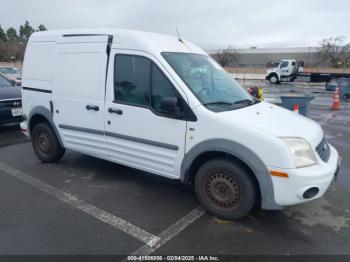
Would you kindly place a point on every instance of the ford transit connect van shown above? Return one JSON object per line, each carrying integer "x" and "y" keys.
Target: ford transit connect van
{"x": 161, "y": 104}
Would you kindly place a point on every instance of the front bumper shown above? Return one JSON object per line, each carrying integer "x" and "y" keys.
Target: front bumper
{"x": 7, "y": 118}
{"x": 291, "y": 190}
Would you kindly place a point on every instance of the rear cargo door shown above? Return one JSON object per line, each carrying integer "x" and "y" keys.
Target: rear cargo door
{"x": 78, "y": 92}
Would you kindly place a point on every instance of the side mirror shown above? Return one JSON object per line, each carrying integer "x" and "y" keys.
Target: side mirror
{"x": 169, "y": 105}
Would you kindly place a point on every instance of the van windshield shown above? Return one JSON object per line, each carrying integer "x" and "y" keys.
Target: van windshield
{"x": 210, "y": 83}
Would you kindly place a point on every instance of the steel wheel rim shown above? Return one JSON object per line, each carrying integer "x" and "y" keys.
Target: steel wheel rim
{"x": 44, "y": 142}
{"x": 223, "y": 190}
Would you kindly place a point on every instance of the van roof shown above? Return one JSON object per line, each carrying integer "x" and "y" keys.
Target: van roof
{"x": 122, "y": 38}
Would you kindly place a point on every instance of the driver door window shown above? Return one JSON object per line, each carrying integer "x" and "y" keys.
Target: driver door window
{"x": 139, "y": 82}
{"x": 132, "y": 80}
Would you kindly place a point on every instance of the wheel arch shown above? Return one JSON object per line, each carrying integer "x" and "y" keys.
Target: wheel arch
{"x": 274, "y": 74}
{"x": 41, "y": 114}
{"x": 215, "y": 148}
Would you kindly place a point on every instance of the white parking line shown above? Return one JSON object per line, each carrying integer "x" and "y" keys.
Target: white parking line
{"x": 171, "y": 232}
{"x": 114, "y": 221}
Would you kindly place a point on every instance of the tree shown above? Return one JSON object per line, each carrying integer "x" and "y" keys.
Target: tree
{"x": 26, "y": 30}
{"x": 11, "y": 34}
{"x": 3, "y": 36}
{"x": 227, "y": 56}
{"x": 335, "y": 52}
{"x": 42, "y": 28}
{"x": 12, "y": 46}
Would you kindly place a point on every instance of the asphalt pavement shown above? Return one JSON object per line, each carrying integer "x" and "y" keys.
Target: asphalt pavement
{"x": 84, "y": 205}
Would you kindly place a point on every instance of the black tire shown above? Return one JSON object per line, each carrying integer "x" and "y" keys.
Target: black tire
{"x": 226, "y": 189}
{"x": 45, "y": 143}
{"x": 273, "y": 78}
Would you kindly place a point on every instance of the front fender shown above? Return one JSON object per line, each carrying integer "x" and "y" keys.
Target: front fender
{"x": 244, "y": 154}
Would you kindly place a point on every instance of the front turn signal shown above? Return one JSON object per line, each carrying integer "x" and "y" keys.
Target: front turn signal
{"x": 279, "y": 174}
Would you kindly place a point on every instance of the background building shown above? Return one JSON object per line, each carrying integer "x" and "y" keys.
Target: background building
{"x": 265, "y": 57}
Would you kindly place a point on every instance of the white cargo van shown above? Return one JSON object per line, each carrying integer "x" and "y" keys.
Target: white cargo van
{"x": 162, "y": 105}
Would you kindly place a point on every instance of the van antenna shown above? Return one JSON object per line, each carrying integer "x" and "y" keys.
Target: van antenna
{"x": 178, "y": 34}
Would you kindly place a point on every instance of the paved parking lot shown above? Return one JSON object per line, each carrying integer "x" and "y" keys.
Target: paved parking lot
{"x": 84, "y": 205}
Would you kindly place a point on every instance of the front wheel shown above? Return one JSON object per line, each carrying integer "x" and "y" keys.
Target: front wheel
{"x": 273, "y": 79}
{"x": 45, "y": 143}
{"x": 226, "y": 189}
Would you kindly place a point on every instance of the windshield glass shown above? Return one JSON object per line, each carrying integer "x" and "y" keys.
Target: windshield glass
{"x": 9, "y": 70}
{"x": 210, "y": 83}
{"x": 4, "y": 82}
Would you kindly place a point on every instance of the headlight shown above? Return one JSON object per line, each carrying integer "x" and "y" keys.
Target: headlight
{"x": 301, "y": 150}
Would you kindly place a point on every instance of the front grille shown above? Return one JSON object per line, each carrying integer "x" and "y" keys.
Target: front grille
{"x": 11, "y": 103}
{"x": 323, "y": 150}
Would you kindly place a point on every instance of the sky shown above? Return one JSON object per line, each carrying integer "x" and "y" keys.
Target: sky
{"x": 208, "y": 23}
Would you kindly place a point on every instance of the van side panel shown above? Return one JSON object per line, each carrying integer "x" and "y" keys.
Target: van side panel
{"x": 37, "y": 77}
{"x": 77, "y": 75}
{"x": 78, "y": 95}
{"x": 38, "y": 65}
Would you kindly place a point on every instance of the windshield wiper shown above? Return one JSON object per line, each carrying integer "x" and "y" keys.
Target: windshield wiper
{"x": 245, "y": 101}
{"x": 218, "y": 103}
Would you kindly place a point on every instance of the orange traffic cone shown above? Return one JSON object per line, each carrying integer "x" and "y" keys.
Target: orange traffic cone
{"x": 296, "y": 108}
{"x": 336, "y": 100}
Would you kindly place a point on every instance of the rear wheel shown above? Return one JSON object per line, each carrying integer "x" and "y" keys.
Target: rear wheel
{"x": 225, "y": 189}
{"x": 45, "y": 143}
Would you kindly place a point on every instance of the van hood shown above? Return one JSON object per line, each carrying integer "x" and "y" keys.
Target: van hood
{"x": 277, "y": 121}
{"x": 10, "y": 92}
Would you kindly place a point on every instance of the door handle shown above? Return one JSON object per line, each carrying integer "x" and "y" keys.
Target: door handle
{"x": 92, "y": 107}
{"x": 115, "y": 111}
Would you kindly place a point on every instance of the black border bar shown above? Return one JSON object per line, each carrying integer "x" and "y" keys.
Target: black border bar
{"x": 173, "y": 258}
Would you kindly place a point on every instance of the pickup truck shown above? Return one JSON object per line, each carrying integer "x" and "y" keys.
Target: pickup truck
{"x": 288, "y": 70}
